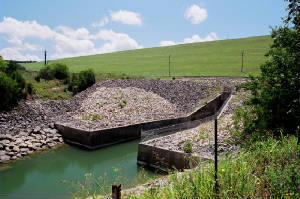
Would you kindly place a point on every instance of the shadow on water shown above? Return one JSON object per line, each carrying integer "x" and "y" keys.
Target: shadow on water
{"x": 40, "y": 174}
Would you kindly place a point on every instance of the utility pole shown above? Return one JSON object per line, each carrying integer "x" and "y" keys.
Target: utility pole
{"x": 45, "y": 58}
{"x": 216, "y": 158}
{"x": 169, "y": 65}
{"x": 242, "y": 61}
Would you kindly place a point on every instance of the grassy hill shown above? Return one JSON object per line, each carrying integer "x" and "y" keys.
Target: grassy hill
{"x": 215, "y": 58}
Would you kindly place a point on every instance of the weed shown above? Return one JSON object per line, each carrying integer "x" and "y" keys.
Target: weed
{"x": 188, "y": 147}
{"x": 91, "y": 117}
{"x": 122, "y": 103}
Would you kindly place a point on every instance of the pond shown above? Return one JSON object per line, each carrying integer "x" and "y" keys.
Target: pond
{"x": 68, "y": 171}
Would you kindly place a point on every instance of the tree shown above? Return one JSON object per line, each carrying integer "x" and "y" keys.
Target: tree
{"x": 274, "y": 102}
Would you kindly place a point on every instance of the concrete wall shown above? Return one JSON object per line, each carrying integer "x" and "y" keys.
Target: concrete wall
{"x": 100, "y": 138}
{"x": 159, "y": 158}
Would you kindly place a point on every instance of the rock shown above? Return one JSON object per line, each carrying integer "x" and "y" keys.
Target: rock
{"x": 5, "y": 142}
{"x": 53, "y": 131}
{"x": 19, "y": 141}
{"x": 11, "y": 153}
{"x": 30, "y": 151}
{"x": 23, "y": 134}
{"x": 51, "y": 125}
{"x": 23, "y": 145}
{"x": 37, "y": 129}
{"x": 6, "y": 137}
{"x": 16, "y": 149}
{"x": 24, "y": 150}
{"x": 55, "y": 139}
{"x": 14, "y": 157}
{"x": 4, "y": 158}
{"x": 51, "y": 144}
{"x": 47, "y": 130}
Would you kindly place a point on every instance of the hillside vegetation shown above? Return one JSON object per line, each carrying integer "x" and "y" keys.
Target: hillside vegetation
{"x": 215, "y": 58}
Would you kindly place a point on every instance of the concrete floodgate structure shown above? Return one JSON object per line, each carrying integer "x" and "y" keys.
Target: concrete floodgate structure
{"x": 103, "y": 137}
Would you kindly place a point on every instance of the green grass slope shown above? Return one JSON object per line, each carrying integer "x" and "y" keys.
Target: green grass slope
{"x": 215, "y": 58}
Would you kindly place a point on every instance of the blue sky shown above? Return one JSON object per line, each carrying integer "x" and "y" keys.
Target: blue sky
{"x": 67, "y": 28}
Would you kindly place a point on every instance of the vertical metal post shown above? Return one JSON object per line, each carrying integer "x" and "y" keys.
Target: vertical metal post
{"x": 45, "y": 58}
{"x": 242, "y": 61}
{"x": 116, "y": 191}
{"x": 216, "y": 157}
{"x": 169, "y": 65}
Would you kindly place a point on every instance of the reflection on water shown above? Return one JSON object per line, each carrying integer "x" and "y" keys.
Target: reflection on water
{"x": 44, "y": 174}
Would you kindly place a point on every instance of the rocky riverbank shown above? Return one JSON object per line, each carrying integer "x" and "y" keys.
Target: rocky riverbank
{"x": 25, "y": 143}
{"x": 26, "y": 129}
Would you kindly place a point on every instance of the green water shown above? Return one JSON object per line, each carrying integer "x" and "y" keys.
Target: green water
{"x": 56, "y": 173}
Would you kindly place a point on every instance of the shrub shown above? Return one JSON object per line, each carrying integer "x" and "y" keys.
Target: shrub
{"x": 16, "y": 75}
{"x": 29, "y": 89}
{"x": 12, "y": 85}
{"x": 60, "y": 71}
{"x": 9, "y": 91}
{"x": 81, "y": 81}
{"x": 56, "y": 70}
{"x": 37, "y": 77}
{"x": 46, "y": 73}
{"x": 188, "y": 147}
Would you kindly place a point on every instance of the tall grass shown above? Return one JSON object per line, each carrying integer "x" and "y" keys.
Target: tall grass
{"x": 267, "y": 169}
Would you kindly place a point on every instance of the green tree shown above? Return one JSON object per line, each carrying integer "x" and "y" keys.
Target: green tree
{"x": 12, "y": 85}
{"x": 274, "y": 102}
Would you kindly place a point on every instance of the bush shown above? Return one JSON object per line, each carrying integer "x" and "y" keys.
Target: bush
{"x": 12, "y": 85}
{"x": 9, "y": 91}
{"x": 57, "y": 70}
{"x": 81, "y": 81}
{"x": 46, "y": 73}
{"x": 37, "y": 77}
{"x": 60, "y": 71}
{"x": 29, "y": 89}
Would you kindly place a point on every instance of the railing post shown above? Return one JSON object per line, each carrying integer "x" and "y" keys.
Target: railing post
{"x": 116, "y": 191}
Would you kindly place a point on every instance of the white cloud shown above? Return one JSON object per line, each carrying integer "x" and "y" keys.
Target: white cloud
{"x": 126, "y": 17}
{"x": 167, "y": 43}
{"x": 70, "y": 46}
{"x": 101, "y": 23}
{"x": 66, "y": 41}
{"x": 18, "y": 30}
{"x": 196, "y": 38}
{"x": 195, "y": 14}
{"x": 80, "y": 33}
{"x": 116, "y": 41}
{"x": 13, "y": 53}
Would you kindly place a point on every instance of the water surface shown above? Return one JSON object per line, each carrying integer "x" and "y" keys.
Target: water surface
{"x": 57, "y": 173}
